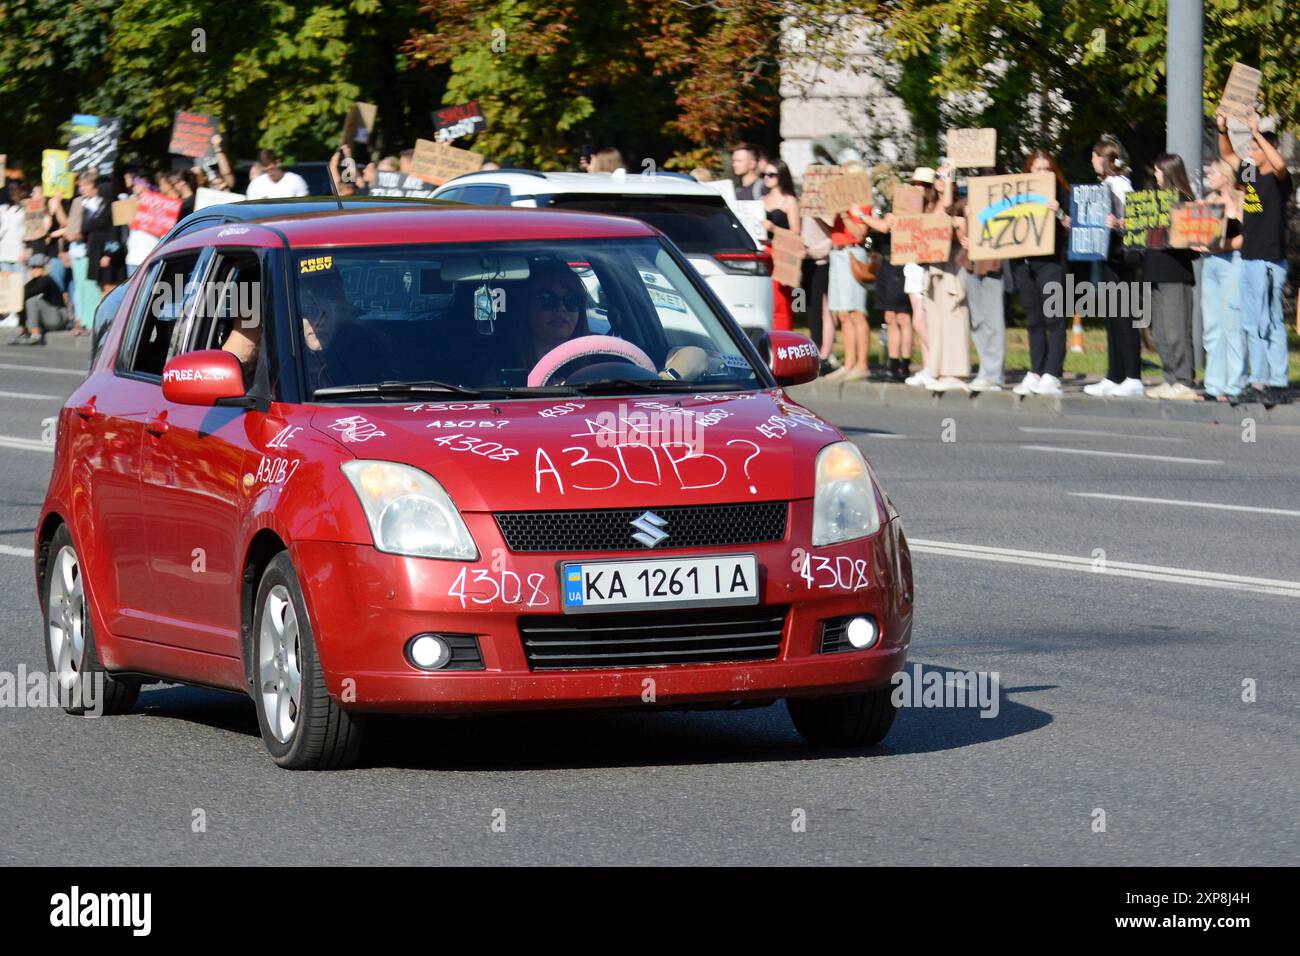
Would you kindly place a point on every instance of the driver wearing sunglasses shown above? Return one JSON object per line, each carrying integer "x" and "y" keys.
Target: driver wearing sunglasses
{"x": 557, "y": 310}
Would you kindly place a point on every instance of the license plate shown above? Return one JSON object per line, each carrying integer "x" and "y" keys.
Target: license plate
{"x": 669, "y": 582}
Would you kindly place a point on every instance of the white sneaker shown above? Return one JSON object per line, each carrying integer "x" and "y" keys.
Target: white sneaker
{"x": 1028, "y": 384}
{"x": 1048, "y": 385}
{"x": 984, "y": 385}
{"x": 1100, "y": 389}
{"x": 923, "y": 379}
{"x": 1181, "y": 393}
{"x": 1129, "y": 388}
{"x": 1160, "y": 391}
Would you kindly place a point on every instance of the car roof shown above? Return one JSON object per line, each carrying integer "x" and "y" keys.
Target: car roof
{"x": 531, "y": 183}
{"x": 443, "y": 222}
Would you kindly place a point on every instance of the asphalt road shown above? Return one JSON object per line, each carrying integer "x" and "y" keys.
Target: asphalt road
{"x": 1118, "y": 693}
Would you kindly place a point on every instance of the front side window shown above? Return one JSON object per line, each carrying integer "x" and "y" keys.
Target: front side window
{"x": 515, "y": 318}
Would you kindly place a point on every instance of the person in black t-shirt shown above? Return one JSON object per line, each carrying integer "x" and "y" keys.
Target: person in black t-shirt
{"x": 1268, "y": 186}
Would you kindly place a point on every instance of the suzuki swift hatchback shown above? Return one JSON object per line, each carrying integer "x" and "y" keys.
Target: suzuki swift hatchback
{"x": 451, "y": 460}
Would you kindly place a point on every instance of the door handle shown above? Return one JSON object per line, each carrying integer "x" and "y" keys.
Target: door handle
{"x": 157, "y": 426}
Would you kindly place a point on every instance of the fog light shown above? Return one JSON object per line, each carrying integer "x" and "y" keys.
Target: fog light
{"x": 428, "y": 652}
{"x": 862, "y": 632}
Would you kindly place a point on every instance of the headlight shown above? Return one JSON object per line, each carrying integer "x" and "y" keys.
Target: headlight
{"x": 409, "y": 512}
{"x": 844, "y": 504}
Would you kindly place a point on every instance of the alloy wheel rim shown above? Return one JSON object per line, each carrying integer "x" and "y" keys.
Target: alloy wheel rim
{"x": 66, "y": 628}
{"x": 279, "y": 674}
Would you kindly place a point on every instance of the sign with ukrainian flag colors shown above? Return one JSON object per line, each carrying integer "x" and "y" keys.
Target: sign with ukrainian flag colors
{"x": 1009, "y": 216}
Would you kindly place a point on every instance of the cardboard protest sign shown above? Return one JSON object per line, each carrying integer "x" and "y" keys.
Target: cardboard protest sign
{"x": 192, "y": 134}
{"x": 56, "y": 178}
{"x": 1008, "y": 216}
{"x": 124, "y": 211}
{"x": 976, "y": 148}
{"x": 437, "y": 162}
{"x": 453, "y": 122}
{"x": 156, "y": 213}
{"x": 813, "y": 200}
{"x": 360, "y": 121}
{"x": 846, "y": 190}
{"x": 1146, "y": 218}
{"x": 1241, "y": 92}
{"x": 402, "y": 186}
{"x": 11, "y": 292}
{"x": 920, "y": 238}
{"x": 93, "y": 144}
{"x": 34, "y": 221}
{"x": 1089, "y": 234}
{"x": 751, "y": 214}
{"x": 1197, "y": 224}
{"x": 787, "y": 257}
{"x": 725, "y": 187}
{"x": 907, "y": 200}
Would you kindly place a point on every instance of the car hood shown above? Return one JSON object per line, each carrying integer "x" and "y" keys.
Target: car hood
{"x": 608, "y": 452}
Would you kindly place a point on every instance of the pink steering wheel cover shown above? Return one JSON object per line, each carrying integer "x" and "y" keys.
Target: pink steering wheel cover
{"x": 586, "y": 345}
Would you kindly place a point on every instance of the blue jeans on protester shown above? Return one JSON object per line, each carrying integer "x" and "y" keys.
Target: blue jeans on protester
{"x": 1221, "y": 330}
{"x": 1261, "y": 317}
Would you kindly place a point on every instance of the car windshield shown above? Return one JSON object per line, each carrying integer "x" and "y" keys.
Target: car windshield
{"x": 517, "y": 318}
{"x": 698, "y": 224}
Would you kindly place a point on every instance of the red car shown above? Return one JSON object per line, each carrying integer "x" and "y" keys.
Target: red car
{"x": 453, "y": 459}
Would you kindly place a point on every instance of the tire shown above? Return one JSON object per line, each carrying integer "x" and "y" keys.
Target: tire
{"x": 855, "y": 720}
{"x": 70, "y": 651}
{"x": 303, "y": 729}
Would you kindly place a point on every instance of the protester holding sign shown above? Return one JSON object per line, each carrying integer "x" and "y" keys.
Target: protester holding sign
{"x": 1172, "y": 278}
{"x": 1221, "y": 328}
{"x": 782, "y": 209}
{"x": 848, "y": 296}
{"x": 986, "y": 302}
{"x": 1263, "y": 251}
{"x": 914, "y": 280}
{"x": 1123, "y": 341}
{"x": 890, "y": 294}
{"x": 105, "y": 242}
{"x": 946, "y": 314}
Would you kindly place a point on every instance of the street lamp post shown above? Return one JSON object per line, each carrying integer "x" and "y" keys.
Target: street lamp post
{"x": 1185, "y": 111}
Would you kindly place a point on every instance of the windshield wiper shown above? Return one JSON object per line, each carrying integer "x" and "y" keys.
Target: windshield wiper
{"x": 656, "y": 385}
{"x": 429, "y": 387}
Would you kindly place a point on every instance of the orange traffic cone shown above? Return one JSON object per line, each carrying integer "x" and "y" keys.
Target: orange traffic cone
{"x": 1076, "y": 336}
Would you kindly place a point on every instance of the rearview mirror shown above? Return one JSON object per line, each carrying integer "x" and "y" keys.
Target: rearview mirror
{"x": 793, "y": 358}
{"x": 203, "y": 378}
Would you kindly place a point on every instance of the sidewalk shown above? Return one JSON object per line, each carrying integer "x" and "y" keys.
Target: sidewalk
{"x": 1072, "y": 403}
{"x": 64, "y": 341}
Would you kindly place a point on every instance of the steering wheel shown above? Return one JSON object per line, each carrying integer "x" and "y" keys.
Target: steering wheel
{"x": 557, "y": 365}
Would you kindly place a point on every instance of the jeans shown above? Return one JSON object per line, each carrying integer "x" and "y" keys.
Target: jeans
{"x": 1261, "y": 317}
{"x": 1046, "y": 332}
{"x": 988, "y": 322}
{"x": 11, "y": 267}
{"x": 1224, "y": 338}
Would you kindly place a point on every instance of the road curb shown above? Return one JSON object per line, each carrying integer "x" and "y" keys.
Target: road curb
{"x": 891, "y": 394}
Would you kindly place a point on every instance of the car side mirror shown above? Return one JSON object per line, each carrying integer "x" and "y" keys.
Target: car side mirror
{"x": 793, "y": 358}
{"x": 207, "y": 378}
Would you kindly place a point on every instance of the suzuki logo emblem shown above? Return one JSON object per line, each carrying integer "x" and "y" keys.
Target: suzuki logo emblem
{"x": 649, "y": 529}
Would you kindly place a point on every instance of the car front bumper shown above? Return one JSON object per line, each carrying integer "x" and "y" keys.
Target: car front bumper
{"x": 366, "y": 605}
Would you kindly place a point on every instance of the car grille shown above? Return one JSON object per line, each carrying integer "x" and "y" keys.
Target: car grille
{"x": 653, "y": 639}
{"x": 690, "y": 526}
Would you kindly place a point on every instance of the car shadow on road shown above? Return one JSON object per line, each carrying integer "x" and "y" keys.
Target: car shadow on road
{"x": 575, "y": 739}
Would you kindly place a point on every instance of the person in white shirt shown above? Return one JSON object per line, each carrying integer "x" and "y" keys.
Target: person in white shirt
{"x": 138, "y": 242}
{"x": 12, "y": 249}
{"x": 275, "y": 182}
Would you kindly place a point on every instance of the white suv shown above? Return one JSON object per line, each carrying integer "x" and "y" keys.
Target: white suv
{"x": 693, "y": 216}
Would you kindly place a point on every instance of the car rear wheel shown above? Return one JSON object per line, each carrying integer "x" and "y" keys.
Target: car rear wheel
{"x": 853, "y": 720}
{"x": 83, "y": 684}
{"x": 302, "y": 726}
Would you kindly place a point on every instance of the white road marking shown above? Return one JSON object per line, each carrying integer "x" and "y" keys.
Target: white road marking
{"x": 1188, "y": 504}
{"x": 31, "y": 395}
{"x": 26, "y": 444}
{"x": 45, "y": 368}
{"x": 1094, "y": 434}
{"x": 16, "y": 552}
{"x": 1121, "y": 454}
{"x": 1123, "y": 569}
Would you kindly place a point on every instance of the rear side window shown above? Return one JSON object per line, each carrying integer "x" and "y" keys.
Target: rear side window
{"x": 164, "y": 304}
{"x": 698, "y": 225}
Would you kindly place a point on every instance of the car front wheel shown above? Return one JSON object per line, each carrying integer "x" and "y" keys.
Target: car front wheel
{"x": 852, "y": 720}
{"x": 302, "y": 726}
